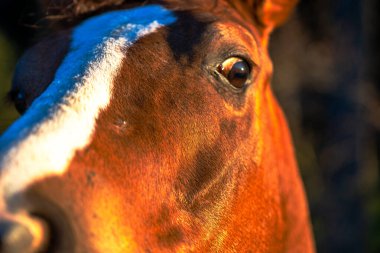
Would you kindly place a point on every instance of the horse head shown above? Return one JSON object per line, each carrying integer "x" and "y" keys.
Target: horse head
{"x": 151, "y": 127}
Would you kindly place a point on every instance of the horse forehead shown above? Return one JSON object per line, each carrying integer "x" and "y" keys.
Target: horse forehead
{"x": 61, "y": 121}
{"x": 128, "y": 24}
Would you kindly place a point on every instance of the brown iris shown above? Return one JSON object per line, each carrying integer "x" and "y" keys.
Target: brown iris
{"x": 236, "y": 71}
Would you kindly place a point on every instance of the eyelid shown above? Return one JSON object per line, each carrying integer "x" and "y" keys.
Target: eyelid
{"x": 234, "y": 38}
{"x": 239, "y": 52}
{"x": 245, "y": 58}
{"x": 230, "y": 61}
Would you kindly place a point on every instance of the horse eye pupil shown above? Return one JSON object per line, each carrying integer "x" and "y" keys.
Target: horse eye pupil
{"x": 239, "y": 74}
{"x": 20, "y": 96}
{"x": 20, "y": 102}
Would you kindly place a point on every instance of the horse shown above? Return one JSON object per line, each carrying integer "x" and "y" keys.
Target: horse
{"x": 150, "y": 126}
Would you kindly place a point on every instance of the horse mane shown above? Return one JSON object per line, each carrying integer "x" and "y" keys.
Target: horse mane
{"x": 262, "y": 12}
{"x": 58, "y": 14}
{"x": 59, "y": 9}
{"x": 61, "y": 13}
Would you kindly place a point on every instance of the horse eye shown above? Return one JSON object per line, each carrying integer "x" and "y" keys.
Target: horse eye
{"x": 19, "y": 100}
{"x": 236, "y": 70}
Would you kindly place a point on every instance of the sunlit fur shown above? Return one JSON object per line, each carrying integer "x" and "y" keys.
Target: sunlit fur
{"x": 64, "y": 116}
{"x": 178, "y": 160}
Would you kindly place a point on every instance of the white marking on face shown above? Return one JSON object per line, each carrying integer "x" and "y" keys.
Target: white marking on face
{"x": 62, "y": 120}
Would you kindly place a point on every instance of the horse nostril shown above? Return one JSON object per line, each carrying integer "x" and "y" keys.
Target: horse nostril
{"x": 23, "y": 234}
{"x": 37, "y": 226}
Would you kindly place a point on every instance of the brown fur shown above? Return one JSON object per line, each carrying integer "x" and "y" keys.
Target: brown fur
{"x": 181, "y": 161}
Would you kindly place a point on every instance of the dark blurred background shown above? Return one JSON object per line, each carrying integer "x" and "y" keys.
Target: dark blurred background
{"x": 327, "y": 79}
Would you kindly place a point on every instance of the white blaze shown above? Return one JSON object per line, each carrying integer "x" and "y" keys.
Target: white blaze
{"x": 62, "y": 120}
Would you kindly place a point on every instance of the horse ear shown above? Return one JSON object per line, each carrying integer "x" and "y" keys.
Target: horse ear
{"x": 268, "y": 13}
{"x": 273, "y": 13}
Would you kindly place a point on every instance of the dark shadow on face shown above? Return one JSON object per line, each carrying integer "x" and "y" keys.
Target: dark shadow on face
{"x": 187, "y": 34}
